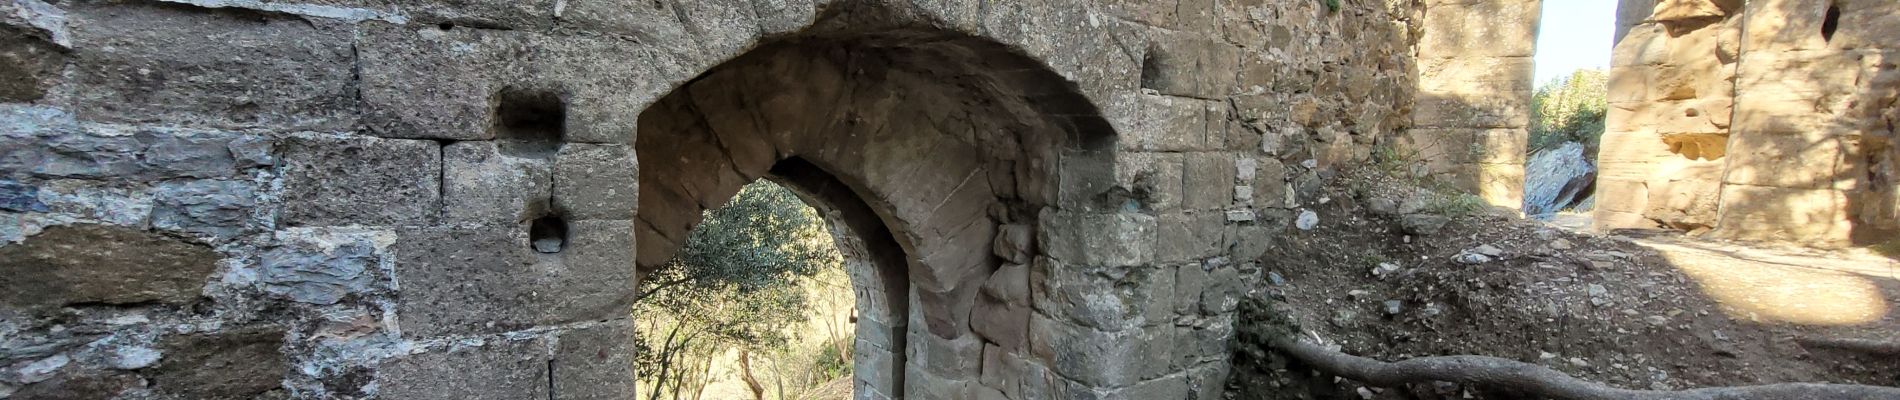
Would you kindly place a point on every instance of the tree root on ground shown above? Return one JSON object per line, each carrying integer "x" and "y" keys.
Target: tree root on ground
{"x": 1537, "y": 380}
{"x": 1868, "y": 346}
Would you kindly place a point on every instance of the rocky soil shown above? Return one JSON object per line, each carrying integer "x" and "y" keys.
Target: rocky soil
{"x": 1378, "y": 277}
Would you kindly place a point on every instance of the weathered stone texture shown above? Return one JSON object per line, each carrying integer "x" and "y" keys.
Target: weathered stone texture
{"x": 1759, "y": 118}
{"x": 361, "y": 181}
{"x": 98, "y": 264}
{"x": 1474, "y": 66}
{"x": 149, "y": 62}
{"x": 1051, "y": 197}
{"x": 244, "y": 363}
{"x": 493, "y": 369}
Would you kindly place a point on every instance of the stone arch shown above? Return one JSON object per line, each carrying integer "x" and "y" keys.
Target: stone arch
{"x": 938, "y": 150}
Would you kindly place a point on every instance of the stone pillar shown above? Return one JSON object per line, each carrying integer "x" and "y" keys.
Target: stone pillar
{"x": 1470, "y": 123}
{"x": 1812, "y": 155}
{"x": 1671, "y": 93}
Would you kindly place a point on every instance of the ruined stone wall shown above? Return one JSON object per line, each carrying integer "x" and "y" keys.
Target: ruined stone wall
{"x": 1472, "y": 118}
{"x": 440, "y": 200}
{"x": 1764, "y": 119}
{"x": 1672, "y": 80}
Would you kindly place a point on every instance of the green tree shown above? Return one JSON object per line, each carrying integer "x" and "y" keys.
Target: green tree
{"x": 733, "y": 284}
{"x": 1570, "y": 109}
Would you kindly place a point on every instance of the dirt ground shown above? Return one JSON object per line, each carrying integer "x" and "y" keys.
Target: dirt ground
{"x": 1642, "y": 310}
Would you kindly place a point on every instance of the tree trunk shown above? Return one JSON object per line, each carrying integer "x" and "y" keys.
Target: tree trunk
{"x": 745, "y": 372}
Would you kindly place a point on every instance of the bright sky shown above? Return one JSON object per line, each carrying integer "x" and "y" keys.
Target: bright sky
{"x": 1574, "y": 34}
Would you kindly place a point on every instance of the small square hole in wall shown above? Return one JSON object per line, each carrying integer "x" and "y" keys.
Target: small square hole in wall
{"x": 530, "y": 123}
{"x": 548, "y": 234}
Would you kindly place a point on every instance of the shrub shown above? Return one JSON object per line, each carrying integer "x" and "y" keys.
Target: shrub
{"x": 1570, "y": 109}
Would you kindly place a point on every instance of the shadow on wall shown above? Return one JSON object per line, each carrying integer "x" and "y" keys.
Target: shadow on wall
{"x": 1812, "y": 156}
{"x": 1472, "y": 111}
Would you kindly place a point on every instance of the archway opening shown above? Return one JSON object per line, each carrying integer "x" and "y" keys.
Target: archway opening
{"x": 931, "y": 154}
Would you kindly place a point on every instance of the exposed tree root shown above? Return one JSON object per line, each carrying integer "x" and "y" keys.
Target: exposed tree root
{"x": 1868, "y": 346}
{"x": 1532, "y": 379}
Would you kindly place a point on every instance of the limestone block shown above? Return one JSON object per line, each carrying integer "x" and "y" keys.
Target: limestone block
{"x": 1688, "y": 197}
{"x": 1109, "y": 299}
{"x": 1097, "y": 239}
{"x": 1783, "y": 25}
{"x": 1622, "y": 196}
{"x": 959, "y": 358}
{"x": 1002, "y": 307}
{"x": 873, "y": 372}
{"x": 1015, "y": 243}
{"x": 1797, "y": 92}
{"x": 1796, "y": 161}
{"x": 922, "y": 384}
{"x": 594, "y": 363}
{"x": 1869, "y": 25}
{"x": 325, "y": 181}
{"x": 148, "y": 62}
{"x": 1479, "y": 29}
{"x": 1207, "y": 381}
{"x": 596, "y": 181}
{"x": 1209, "y": 179}
{"x": 491, "y": 369}
{"x": 1642, "y": 45}
{"x": 462, "y": 69}
{"x": 1685, "y": 10}
{"x": 1808, "y": 216}
{"x": 1632, "y": 156}
{"x": 1101, "y": 359}
{"x": 1011, "y": 372}
{"x": 1629, "y": 85}
{"x": 1222, "y": 292}
{"x": 487, "y": 279}
{"x": 1189, "y": 65}
{"x": 1156, "y": 179}
{"x": 1170, "y": 123}
{"x": 1167, "y": 387}
{"x": 239, "y": 363}
{"x": 483, "y": 185}
{"x": 1189, "y": 236}
{"x": 1189, "y": 281}
{"x": 1462, "y": 146}
{"x": 1466, "y": 92}
{"x": 103, "y": 265}
{"x": 1074, "y": 42}
{"x": 605, "y": 83}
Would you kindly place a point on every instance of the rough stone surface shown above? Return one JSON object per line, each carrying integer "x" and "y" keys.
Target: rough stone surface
{"x": 240, "y": 69}
{"x": 495, "y": 368}
{"x": 326, "y": 177}
{"x": 522, "y": 288}
{"x": 1719, "y": 115}
{"x": 241, "y": 363}
{"x": 1051, "y": 195}
{"x": 216, "y": 208}
{"x": 101, "y": 264}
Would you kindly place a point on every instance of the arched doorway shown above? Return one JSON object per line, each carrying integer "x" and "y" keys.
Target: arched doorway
{"x": 935, "y": 150}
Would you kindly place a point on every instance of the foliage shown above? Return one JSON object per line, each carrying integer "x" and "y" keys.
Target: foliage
{"x": 1332, "y": 5}
{"x": 1455, "y": 204}
{"x": 1570, "y": 109}
{"x": 735, "y": 283}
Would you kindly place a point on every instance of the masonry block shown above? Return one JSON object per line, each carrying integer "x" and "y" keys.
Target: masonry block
{"x": 140, "y": 62}
{"x": 360, "y": 181}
